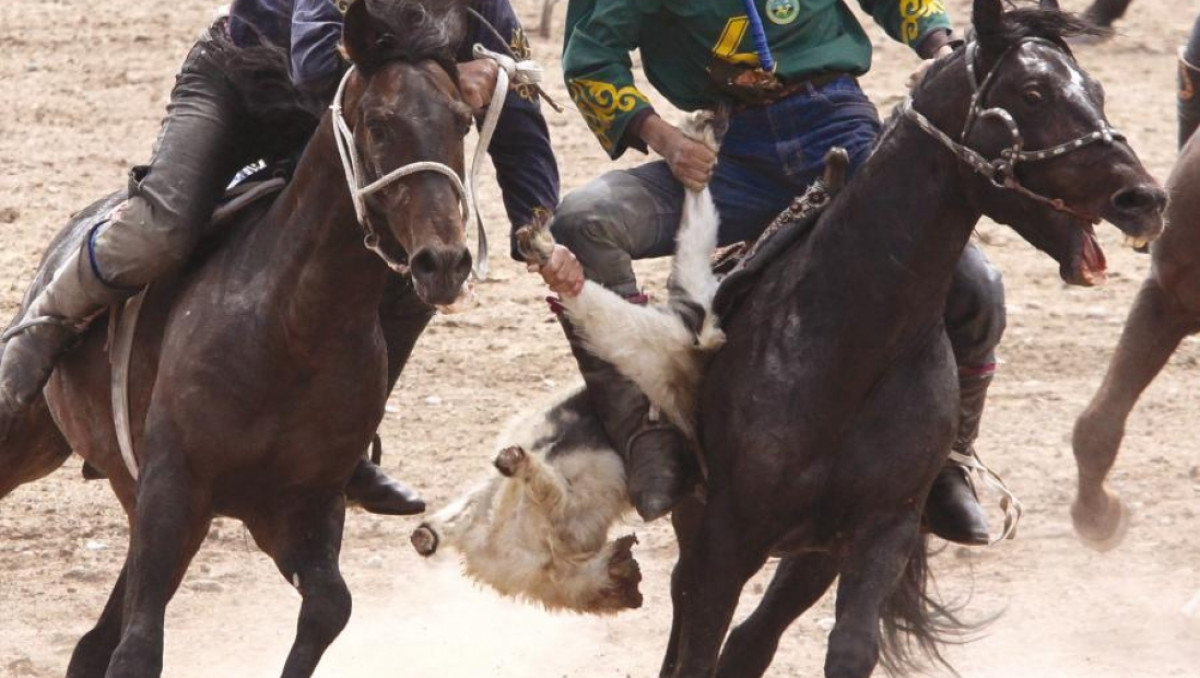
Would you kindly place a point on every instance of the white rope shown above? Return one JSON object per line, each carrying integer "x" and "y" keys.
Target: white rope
{"x": 1009, "y": 503}
{"x": 352, "y": 166}
{"x": 511, "y": 71}
{"x": 514, "y": 72}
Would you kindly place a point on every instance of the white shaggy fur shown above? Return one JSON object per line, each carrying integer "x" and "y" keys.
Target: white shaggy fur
{"x": 542, "y": 533}
{"x": 539, "y": 530}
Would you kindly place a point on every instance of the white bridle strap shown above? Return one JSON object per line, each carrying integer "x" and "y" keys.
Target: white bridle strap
{"x": 352, "y": 165}
{"x": 512, "y": 71}
{"x": 525, "y": 72}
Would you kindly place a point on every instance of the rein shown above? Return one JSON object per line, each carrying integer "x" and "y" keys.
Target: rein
{"x": 511, "y": 70}
{"x": 1001, "y": 171}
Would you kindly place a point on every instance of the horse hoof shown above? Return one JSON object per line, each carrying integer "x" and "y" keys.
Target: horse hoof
{"x": 424, "y": 540}
{"x": 1103, "y": 532}
{"x": 510, "y": 460}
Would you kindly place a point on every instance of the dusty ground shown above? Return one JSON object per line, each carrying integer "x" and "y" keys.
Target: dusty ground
{"x": 85, "y": 84}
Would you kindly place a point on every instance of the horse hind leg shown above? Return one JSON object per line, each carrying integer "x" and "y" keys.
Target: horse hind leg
{"x": 1152, "y": 332}
{"x": 799, "y": 583}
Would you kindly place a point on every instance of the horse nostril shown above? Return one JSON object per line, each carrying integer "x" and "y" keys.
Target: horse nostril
{"x": 424, "y": 263}
{"x": 1140, "y": 199}
{"x": 463, "y": 268}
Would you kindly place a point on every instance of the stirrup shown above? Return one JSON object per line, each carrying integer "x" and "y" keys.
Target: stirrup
{"x": 973, "y": 468}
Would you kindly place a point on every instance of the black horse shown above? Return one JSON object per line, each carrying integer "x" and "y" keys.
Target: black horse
{"x": 833, "y": 404}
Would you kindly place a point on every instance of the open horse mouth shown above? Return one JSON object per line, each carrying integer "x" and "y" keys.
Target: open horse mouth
{"x": 1087, "y": 266}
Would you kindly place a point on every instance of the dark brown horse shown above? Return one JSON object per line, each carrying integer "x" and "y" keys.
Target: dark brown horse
{"x": 259, "y": 377}
{"x": 1166, "y": 310}
{"x": 832, "y": 406}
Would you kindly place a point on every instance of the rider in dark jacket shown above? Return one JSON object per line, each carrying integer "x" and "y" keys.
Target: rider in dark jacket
{"x": 210, "y": 132}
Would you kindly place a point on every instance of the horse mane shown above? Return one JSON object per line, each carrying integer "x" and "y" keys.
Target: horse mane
{"x": 1022, "y": 23}
{"x": 261, "y": 75}
{"x": 417, "y": 30}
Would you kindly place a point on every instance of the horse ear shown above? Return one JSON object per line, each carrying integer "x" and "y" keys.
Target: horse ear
{"x": 987, "y": 16}
{"x": 361, "y": 33}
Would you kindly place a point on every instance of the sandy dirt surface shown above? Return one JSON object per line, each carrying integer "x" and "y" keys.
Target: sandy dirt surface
{"x": 84, "y": 88}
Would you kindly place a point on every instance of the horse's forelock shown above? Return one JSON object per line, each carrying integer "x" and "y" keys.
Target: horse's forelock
{"x": 419, "y": 30}
{"x": 1032, "y": 22}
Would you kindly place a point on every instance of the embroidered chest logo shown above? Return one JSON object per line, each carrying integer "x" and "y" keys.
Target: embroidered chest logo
{"x": 783, "y": 11}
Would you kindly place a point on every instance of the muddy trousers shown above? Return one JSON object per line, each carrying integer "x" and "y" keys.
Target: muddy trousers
{"x": 199, "y": 149}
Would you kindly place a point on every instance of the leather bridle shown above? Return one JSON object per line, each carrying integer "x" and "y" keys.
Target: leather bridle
{"x": 1001, "y": 170}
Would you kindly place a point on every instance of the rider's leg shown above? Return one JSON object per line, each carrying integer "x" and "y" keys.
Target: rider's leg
{"x": 403, "y": 316}
{"x": 975, "y": 321}
{"x": 621, "y": 216}
{"x": 1189, "y": 80}
{"x": 196, "y": 153}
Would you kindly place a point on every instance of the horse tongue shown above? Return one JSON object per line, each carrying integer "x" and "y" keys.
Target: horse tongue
{"x": 1092, "y": 265}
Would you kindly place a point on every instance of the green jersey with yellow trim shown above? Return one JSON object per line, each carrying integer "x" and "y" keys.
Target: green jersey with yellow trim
{"x": 679, "y": 39}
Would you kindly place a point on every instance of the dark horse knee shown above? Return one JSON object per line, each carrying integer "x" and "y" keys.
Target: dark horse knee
{"x": 852, "y": 653}
{"x": 326, "y": 607}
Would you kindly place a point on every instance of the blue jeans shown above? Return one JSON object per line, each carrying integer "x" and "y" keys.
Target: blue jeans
{"x": 769, "y": 155}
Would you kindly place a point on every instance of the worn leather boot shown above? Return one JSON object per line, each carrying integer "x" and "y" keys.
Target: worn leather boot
{"x": 952, "y": 509}
{"x": 655, "y": 452}
{"x": 375, "y": 492}
{"x": 47, "y": 329}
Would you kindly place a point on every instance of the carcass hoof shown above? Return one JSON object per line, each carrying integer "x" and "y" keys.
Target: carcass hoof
{"x": 510, "y": 460}
{"x": 424, "y": 540}
{"x": 625, "y": 575}
{"x": 1101, "y": 531}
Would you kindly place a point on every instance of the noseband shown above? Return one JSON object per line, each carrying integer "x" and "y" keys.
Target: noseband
{"x": 1001, "y": 171}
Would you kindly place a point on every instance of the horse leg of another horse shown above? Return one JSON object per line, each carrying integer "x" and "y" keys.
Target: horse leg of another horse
{"x": 171, "y": 519}
{"x": 307, "y": 556}
{"x": 871, "y": 572}
{"x": 725, "y": 554}
{"x": 94, "y": 650}
{"x": 799, "y": 582}
{"x": 685, "y": 518}
{"x": 1153, "y": 330}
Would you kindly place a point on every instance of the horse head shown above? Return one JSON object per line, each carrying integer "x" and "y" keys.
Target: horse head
{"x": 1026, "y": 117}
{"x": 406, "y": 120}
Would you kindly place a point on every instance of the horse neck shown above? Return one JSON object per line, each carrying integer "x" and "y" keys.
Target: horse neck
{"x": 328, "y": 281}
{"x": 887, "y": 248}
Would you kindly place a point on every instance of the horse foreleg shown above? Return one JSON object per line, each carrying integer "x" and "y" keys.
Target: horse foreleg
{"x": 799, "y": 582}
{"x": 685, "y": 519}
{"x": 1153, "y": 330}
{"x": 171, "y": 519}
{"x": 725, "y": 554}
{"x": 307, "y": 556}
{"x": 94, "y": 650}
{"x": 878, "y": 558}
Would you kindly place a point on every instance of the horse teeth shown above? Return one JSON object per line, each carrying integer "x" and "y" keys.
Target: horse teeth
{"x": 1137, "y": 242}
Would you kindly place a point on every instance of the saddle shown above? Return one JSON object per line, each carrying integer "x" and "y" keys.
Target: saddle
{"x": 740, "y": 265}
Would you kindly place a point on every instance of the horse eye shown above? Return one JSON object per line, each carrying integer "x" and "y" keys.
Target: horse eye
{"x": 1032, "y": 96}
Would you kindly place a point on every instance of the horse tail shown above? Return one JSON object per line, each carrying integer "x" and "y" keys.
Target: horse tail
{"x": 916, "y": 624}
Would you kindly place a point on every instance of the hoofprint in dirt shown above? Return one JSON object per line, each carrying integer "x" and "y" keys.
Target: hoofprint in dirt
{"x": 86, "y": 84}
